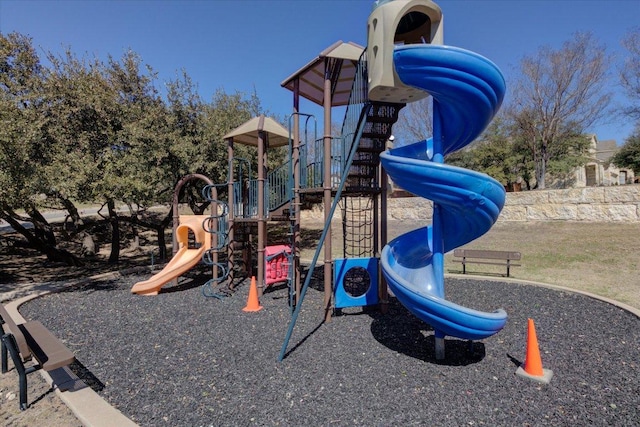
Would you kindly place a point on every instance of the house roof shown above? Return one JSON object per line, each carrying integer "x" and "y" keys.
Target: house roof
{"x": 247, "y": 133}
{"x": 606, "y": 149}
{"x": 311, "y": 76}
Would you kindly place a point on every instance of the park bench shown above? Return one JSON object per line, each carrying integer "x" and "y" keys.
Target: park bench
{"x": 481, "y": 256}
{"x": 30, "y": 343}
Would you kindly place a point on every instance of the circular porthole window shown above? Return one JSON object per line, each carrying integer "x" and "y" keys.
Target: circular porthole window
{"x": 356, "y": 282}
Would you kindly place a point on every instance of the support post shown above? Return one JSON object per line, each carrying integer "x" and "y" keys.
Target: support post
{"x": 232, "y": 213}
{"x": 440, "y": 348}
{"x": 328, "y": 289}
{"x": 214, "y": 225}
{"x": 382, "y": 283}
{"x": 262, "y": 229}
{"x": 295, "y": 156}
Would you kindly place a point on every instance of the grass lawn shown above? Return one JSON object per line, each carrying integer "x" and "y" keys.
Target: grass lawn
{"x": 601, "y": 258}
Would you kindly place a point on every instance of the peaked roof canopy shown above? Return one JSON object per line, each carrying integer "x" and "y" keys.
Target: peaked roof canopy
{"x": 248, "y": 132}
{"x": 311, "y": 76}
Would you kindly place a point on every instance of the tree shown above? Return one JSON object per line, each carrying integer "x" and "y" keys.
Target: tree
{"x": 87, "y": 131}
{"x": 561, "y": 93}
{"x": 80, "y": 126}
{"x": 415, "y": 122}
{"x": 21, "y": 145}
{"x": 629, "y": 154}
{"x": 493, "y": 153}
{"x": 630, "y": 74}
{"x": 134, "y": 168}
{"x": 79, "y": 131}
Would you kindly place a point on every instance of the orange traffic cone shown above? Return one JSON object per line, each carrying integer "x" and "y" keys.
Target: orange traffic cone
{"x": 532, "y": 367}
{"x": 252, "y": 301}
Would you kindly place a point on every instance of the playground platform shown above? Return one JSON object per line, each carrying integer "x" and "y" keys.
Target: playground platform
{"x": 182, "y": 359}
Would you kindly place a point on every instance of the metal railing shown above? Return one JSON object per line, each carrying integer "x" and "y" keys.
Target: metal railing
{"x": 279, "y": 187}
{"x": 357, "y": 99}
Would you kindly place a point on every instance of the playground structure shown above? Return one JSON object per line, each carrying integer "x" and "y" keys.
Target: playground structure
{"x": 405, "y": 61}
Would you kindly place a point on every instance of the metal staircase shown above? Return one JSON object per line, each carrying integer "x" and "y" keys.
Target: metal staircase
{"x": 363, "y": 181}
{"x": 363, "y": 172}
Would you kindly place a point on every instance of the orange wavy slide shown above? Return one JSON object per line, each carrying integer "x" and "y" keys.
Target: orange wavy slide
{"x": 184, "y": 260}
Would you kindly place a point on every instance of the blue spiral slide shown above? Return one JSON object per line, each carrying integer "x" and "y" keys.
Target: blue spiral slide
{"x": 467, "y": 90}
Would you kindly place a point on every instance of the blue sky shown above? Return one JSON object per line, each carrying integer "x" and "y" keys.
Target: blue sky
{"x": 244, "y": 45}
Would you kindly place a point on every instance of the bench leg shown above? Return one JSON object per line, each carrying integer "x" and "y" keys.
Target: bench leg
{"x": 8, "y": 343}
{"x": 5, "y": 366}
{"x": 464, "y": 267}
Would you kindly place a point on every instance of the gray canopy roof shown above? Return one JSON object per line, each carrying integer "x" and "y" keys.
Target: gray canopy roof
{"x": 311, "y": 76}
{"x": 247, "y": 133}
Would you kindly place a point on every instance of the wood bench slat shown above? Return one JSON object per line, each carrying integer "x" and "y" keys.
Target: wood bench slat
{"x": 26, "y": 340}
{"x": 473, "y": 261}
{"x": 481, "y": 253}
{"x": 476, "y": 256}
{"x": 13, "y": 329}
{"x": 48, "y": 350}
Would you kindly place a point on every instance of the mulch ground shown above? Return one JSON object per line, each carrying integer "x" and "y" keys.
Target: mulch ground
{"x": 181, "y": 358}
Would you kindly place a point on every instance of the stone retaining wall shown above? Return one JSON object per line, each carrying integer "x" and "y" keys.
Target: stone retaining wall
{"x": 591, "y": 204}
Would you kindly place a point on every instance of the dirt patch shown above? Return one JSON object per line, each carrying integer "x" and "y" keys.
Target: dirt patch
{"x": 46, "y": 408}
